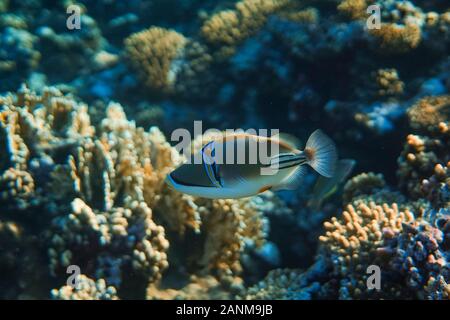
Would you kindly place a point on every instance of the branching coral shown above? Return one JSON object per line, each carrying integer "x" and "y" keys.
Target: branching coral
{"x": 423, "y": 163}
{"x": 355, "y": 9}
{"x": 87, "y": 289}
{"x": 31, "y": 127}
{"x": 363, "y": 184}
{"x": 109, "y": 209}
{"x": 228, "y": 28}
{"x": 352, "y": 242}
{"x": 152, "y": 53}
{"x": 394, "y": 38}
{"x": 229, "y": 224}
{"x": 279, "y": 284}
{"x": 167, "y": 61}
{"x": 428, "y": 114}
{"x": 419, "y": 254}
{"x": 18, "y": 54}
{"x": 389, "y": 83}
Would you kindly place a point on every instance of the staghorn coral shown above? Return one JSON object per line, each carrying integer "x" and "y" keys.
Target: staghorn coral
{"x": 87, "y": 289}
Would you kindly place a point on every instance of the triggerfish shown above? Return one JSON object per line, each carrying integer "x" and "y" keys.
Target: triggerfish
{"x": 233, "y": 179}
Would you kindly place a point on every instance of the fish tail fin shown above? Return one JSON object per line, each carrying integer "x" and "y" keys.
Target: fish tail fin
{"x": 321, "y": 153}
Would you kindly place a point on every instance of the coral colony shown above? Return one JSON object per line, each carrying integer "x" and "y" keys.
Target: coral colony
{"x": 88, "y": 107}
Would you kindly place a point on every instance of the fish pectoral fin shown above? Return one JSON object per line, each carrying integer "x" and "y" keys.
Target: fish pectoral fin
{"x": 293, "y": 181}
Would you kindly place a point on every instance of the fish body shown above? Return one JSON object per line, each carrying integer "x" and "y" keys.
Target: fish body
{"x": 233, "y": 166}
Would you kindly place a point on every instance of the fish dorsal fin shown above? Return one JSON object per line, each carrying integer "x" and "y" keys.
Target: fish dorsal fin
{"x": 293, "y": 181}
{"x": 288, "y": 139}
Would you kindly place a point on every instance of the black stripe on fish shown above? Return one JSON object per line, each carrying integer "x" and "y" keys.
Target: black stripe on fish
{"x": 298, "y": 163}
{"x": 187, "y": 184}
{"x": 282, "y": 164}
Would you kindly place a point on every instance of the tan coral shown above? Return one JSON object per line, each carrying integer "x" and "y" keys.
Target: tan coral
{"x": 227, "y": 225}
{"x": 228, "y": 28}
{"x": 389, "y": 83}
{"x": 87, "y": 289}
{"x": 307, "y": 15}
{"x": 31, "y": 127}
{"x": 396, "y": 38}
{"x": 428, "y": 113}
{"x": 354, "y": 238}
{"x": 277, "y": 285}
{"x": 152, "y": 53}
{"x": 364, "y": 183}
{"x": 17, "y": 185}
{"x": 197, "y": 288}
{"x": 424, "y": 159}
{"x": 354, "y": 9}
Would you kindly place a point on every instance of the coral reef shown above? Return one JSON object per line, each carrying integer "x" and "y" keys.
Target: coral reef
{"x": 425, "y": 159}
{"x": 353, "y": 242}
{"x": 103, "y": 188}
{"x": 87, "y": 290}
{"x": 153, "y": 52}
{"x": 85, "y": 112}
{"x": 228, "y": 28}
{"x": 167, "y": 61}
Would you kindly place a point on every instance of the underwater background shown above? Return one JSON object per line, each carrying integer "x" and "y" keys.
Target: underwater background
{"x": 86, "y": 116}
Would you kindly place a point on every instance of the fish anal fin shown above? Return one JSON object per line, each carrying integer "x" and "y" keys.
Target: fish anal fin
{"x": 293, "y": 181}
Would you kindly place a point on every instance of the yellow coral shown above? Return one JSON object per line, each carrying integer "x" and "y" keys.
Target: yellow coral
{"x": 355, "y": 9}
{"x": 229, "y": 28}
{"x": 152, "y": 53}
{"x": 395, "y": 38}
{"x": 308, "y": 15}
{"x": 389, "y": 83}
{"x": 228, "y": 223}
{"x": 428, "y": 113}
